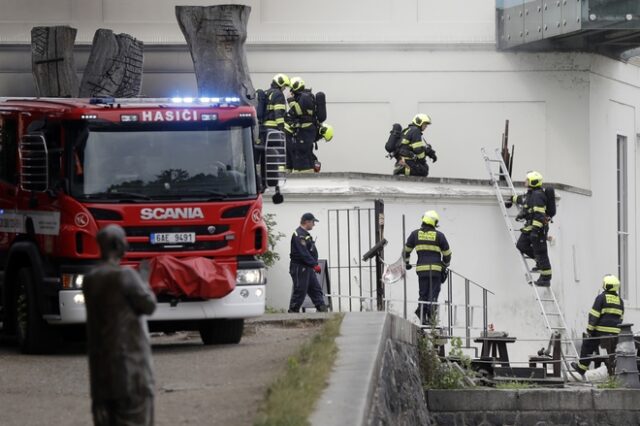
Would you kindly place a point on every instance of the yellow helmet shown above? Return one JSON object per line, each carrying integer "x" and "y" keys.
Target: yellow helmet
{"x": 297, "y": 84}
{"x": 326, "y": 131}
{"x": 420, "y": 119}
{"x": 281, "y": 80}
{"x": 534, "y": 179}
{"x": 431, "y": 218}
{"x": 611, "y": 283}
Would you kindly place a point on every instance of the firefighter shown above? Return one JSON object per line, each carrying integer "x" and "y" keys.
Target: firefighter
{"x": 304, "y": 267}
{"x": 302, "y": 119}
{"x": 434, "y": 257}
{"x": 533, "y": 237}
{"x": 275, "y": 110}
{"x": 414, "y": 150}
{"x": 604, "y": 319}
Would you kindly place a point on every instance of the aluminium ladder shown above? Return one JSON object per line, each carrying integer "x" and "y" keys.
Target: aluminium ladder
{"x": 547, "y": 301}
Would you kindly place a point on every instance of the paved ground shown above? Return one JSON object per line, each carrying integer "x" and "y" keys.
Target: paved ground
{"x": 196, "y": 385}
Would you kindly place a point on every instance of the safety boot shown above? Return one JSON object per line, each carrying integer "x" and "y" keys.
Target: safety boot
{"x": 576, "y": 367}
{"x": 543, "y": 281}
{"x": 322, "y": 308}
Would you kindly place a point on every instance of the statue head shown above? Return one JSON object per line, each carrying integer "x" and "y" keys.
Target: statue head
{"x": 113, "y": 242}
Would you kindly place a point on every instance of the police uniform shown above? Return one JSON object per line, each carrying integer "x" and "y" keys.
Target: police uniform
{"x": 413, "y": 150}
{"x": 434, "y": 256}
{"x": 604, "y": 321}
{"x": 304, "y": 258}
{"x": 533, "y": 237}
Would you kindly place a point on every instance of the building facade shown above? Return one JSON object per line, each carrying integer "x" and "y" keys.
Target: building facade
{"x": 575, "y": 117}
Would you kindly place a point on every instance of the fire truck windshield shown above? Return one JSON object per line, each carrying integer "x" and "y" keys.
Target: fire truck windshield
{"x": 138, "y": 162}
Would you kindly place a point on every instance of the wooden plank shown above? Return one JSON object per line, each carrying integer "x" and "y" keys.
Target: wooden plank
{"x": 114, "y": 67}
{"x": 216, "y": 36}
{"x": 52, "y": 61}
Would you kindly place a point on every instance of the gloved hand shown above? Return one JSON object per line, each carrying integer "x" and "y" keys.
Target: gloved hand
{"x": 444, "y": 274}
{"x": 508, "y": 202}
{"x": 407, "y": 266}
{"x": 521, "y": 216}
{"x": 317, "y": 269}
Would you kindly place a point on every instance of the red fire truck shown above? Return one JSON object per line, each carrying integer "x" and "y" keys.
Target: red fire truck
{"x": 177, "y": 174}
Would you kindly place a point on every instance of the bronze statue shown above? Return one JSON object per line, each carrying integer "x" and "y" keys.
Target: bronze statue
{"x": 121, "y": 374}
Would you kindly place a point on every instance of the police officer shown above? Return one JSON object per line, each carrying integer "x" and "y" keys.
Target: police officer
{"x": 533, "y": 237}
{"x": 604, "y": 319}
{"x": 302, "y": 119}
{"x": 414, "y": 150}
{"x": 304, "y": 267}
{"x": 275, "y": 111}
{"x": 434, "y": 257}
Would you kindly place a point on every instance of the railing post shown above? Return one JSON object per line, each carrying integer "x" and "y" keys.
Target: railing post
{"x": 467, "y": 308}
{"x": 379, "y": 234}
{"x": 404, "y": 288}
{"x": 450, "y": 302}
{"x": 485, "y": 317}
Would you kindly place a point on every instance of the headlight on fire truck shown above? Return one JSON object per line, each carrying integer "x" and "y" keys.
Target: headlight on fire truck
{"x": 72, "y": 281}
{"x": 250, "y": 276}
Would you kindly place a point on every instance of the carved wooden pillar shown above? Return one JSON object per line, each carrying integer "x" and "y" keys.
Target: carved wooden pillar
{"x": 216, "y": 36}
{"x": 114, "y": 67}
{"x": 52, "y": 61}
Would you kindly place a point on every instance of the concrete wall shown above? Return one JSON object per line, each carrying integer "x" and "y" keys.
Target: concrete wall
{"x": 533, "y": 407}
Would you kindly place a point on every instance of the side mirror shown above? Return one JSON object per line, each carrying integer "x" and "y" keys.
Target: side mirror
{"x": 34, "y": 163}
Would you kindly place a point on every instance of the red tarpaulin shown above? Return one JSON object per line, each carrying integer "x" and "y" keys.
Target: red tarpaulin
{"x": 193, "y": 277}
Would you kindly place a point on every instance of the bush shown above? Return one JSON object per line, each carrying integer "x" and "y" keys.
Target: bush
{"x": 270, "y": 256}
{"x": 437, "y": 374}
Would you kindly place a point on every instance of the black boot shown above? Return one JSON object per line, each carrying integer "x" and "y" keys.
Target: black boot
{"x": 576, "y": 367}
{"x": 543, "y": 281}
{"x": 322, "y": 308}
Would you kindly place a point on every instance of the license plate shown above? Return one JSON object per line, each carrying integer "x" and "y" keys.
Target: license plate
{"x": 173, "y": 238}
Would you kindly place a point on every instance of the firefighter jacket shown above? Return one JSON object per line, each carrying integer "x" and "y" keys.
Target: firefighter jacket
{"x": 117, "y": 336}
{"x": 431, "y": 247}
{"x": 302, "y": 109}
{"x": 606, "y": 313}
{"x": 534, "y": 205}
{"x": 303, "y": 248}
{"x": 276, "y": 108}
{"x": 413, "y": 147}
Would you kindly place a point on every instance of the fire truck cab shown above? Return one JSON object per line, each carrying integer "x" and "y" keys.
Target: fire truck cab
{"x": 177, "y": 174}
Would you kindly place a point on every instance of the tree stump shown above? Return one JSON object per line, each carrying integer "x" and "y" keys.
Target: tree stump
{"x": 216, "y": 37}
{"x": 53, "y": 66}
{"x": 114, "y": 67}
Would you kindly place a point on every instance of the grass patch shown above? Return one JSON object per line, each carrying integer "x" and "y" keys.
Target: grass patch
{"x": 291, "y": 399}
{"x": 514, "y": 385}
{"x": 611, "y": 383}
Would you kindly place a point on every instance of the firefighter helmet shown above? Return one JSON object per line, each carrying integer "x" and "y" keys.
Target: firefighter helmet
{"x": 326, "y": 131}
{"x": 611, "y": 283}
{"x": 297, "y": 84}
{"x": 281, "y": 80}
{"x": 420, "y": 119}
{"x": 431, "y": 217}
{"x": 534, "y": 179}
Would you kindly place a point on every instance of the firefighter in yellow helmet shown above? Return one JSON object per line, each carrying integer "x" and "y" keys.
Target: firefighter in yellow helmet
{"x": 413, "y": 151}
{"x": 434, "y": 257}
{"x": 533, "y": 236}
{"x": 301, "y": 119}
{"x": 604, "y": 323}
{"x": 275, "y": 109}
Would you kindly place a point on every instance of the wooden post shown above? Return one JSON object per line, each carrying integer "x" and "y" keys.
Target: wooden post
{"x": 114, "y": 67}
{"x": 52, "y": 61}
{"x": 379, "y": 235}
{"x": 216, "y": 36}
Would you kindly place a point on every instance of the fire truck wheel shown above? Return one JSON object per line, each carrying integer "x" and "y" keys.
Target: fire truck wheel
{"x": 34, "y": 335}
{"x": 221, "y": 331}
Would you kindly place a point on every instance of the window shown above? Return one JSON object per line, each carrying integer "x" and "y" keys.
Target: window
{"x": 623, "y": 225}
{"x": 8, "y": 150}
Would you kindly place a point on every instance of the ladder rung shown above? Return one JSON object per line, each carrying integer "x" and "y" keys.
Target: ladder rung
{"x": 558, "y": 328}
{"x": 547, "y": 300}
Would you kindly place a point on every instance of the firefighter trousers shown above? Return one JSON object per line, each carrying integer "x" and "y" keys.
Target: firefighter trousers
{"x": 429, "y": 282}
{"x": 534, "y": 245}
{"x": 302, "y": 158}
{"x": 589, "y": 346}
{"x": 305, "y": 281}
{"x": 412, "y": 168}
